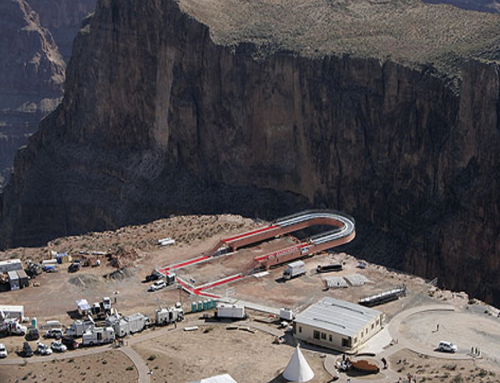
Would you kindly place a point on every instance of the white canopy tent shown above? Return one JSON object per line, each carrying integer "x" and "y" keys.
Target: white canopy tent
{"x": 298, "y": 370}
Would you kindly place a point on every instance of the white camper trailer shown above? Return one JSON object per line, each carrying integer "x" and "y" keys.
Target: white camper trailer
{"x": 98, "y": 335}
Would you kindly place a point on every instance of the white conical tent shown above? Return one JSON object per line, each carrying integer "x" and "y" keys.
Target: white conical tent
{"x": 298, "y": 370}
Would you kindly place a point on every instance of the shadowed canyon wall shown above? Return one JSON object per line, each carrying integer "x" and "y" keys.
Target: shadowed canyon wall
{"x": 159, "y": 119}
{"x": 33, "y": 34}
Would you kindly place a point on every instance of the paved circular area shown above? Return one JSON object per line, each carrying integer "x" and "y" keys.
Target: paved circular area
{"x": 462, "y": 328}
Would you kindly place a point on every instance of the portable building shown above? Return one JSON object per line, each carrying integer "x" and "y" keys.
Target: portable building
{"x": 10, "y": 265}
{"x": 13, "y": 280}
{"x": 337, "y": 324}
{"x": 24, "y": 281}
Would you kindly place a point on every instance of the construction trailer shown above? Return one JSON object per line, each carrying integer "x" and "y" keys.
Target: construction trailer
{"x": 79, "y": 327}
{"x": 338, "y": 325}
{"x": 124, "y": 326}
{"x": 97, "y": 336}
{"x": 10, "y": 265}
{"x": 164, "y": 316}
{"x": 226, "y": 311}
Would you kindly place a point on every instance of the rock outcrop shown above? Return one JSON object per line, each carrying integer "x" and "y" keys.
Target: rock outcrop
{"x": 63, "y": 18}
{"x": 169, "y": 109}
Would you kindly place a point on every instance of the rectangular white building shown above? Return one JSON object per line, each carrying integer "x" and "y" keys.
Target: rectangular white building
{"x": 337, "y": 324}
{"x": 10, "y": 265}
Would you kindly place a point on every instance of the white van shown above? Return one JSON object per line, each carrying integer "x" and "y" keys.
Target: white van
{"x": 447, "y": 347}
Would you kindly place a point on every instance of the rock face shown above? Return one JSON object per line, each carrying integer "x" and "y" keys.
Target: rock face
{"x": 166, "y": 116}
{"x": 31, "y": 66}
{"x": 63, "y": 18}
{"x": 31, "y": 77}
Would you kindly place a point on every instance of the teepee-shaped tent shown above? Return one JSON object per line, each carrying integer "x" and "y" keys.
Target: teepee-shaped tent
{"x": 298, "y": 370}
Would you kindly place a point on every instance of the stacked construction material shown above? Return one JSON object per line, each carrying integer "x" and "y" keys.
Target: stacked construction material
{"x": 335, "y": 282}
{"x": 356, "y": 279}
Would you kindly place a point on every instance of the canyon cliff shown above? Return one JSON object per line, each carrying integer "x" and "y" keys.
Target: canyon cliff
{"x": 174, "y": 107}
{"x": 31, "y": 77}
{"x": 63, "y": 19}
{"x": 33, "y": 34}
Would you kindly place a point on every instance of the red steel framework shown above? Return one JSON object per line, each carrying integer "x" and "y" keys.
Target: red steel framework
{"x": 343, "y": 233}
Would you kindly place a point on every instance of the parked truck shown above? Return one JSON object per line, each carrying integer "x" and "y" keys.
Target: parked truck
{"x": 106, "y": 302}
{"x": 97, "y": 336}
{"x": 155, "y": 275}
{"x": 33, "y": 269}
{"x": 128, "y": 325}
{"x": 12, "y": 327}
{"x": 294, "y": 269}
{"x": 227, "y": 311}
{"x": 164, "y": 316}
{"x": 79, "y": 327}
{"x": 99, "y": 310}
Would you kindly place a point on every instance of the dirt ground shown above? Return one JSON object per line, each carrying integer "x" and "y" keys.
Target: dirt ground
{"x": 241, "y": 261}
{"x": 456, "y": 326}
{"x": 192, "y": 355}
{"x": 439, "y": 370}
{"x": 212, "y": 350}
{"x": 112, "y": 367}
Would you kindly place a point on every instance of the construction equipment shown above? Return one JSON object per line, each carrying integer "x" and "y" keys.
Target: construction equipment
{"x": 33, "y": 269}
